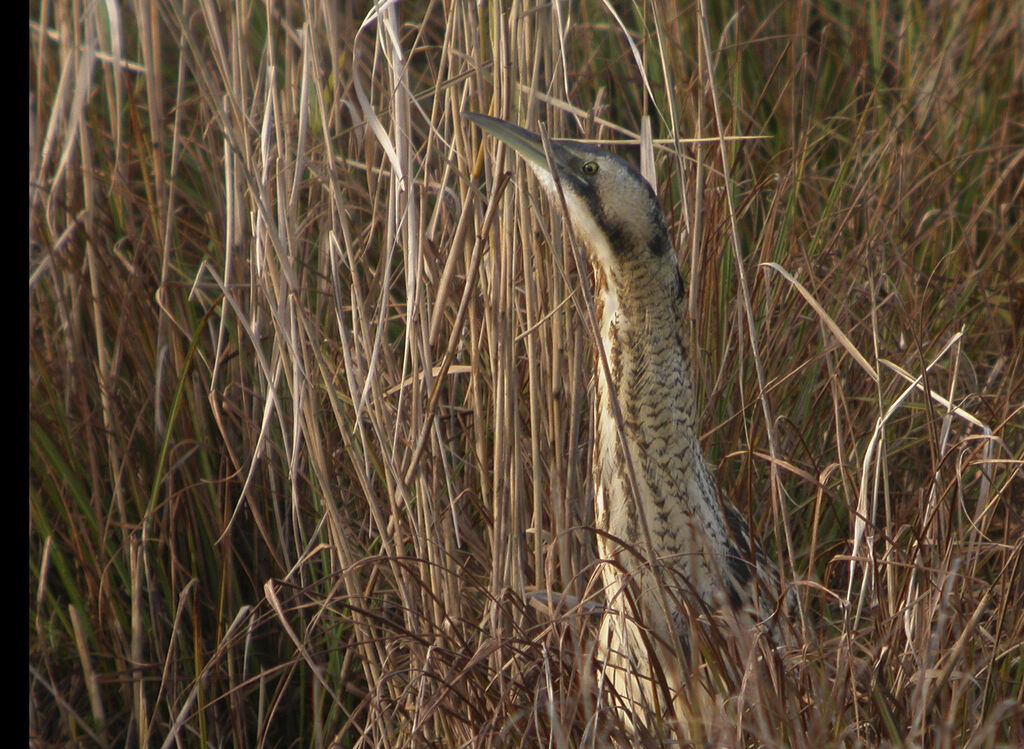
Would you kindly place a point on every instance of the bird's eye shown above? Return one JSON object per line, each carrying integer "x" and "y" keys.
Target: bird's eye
{"x": 589, "y": 168}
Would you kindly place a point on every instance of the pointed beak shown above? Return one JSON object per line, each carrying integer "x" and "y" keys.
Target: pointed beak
{"x": 528, "y": 145}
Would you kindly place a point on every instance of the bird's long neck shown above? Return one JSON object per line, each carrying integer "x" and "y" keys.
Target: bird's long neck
{"x": 642, "y": 332}
{"x": 640, "y": 314}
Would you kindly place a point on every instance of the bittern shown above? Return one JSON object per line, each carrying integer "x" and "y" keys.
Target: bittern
{"x": 667, "y": 542}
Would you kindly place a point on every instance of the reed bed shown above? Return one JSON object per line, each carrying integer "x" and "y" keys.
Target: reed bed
{"x": 309, "y": 376}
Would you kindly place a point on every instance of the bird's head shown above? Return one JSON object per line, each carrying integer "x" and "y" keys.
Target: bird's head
{"x": 611, "y": 206}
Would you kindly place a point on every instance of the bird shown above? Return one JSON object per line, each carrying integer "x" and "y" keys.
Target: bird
{"x": 669, "y": 547}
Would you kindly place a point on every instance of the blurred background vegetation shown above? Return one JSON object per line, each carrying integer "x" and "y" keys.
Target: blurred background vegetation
{"x": 308, "y": 382}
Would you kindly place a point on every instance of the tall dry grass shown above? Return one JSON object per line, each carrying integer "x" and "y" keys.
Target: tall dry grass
{"x": 308, "y": 379}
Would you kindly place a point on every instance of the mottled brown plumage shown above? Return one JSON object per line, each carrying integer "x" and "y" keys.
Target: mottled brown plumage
{"x": 671, "y": 549}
